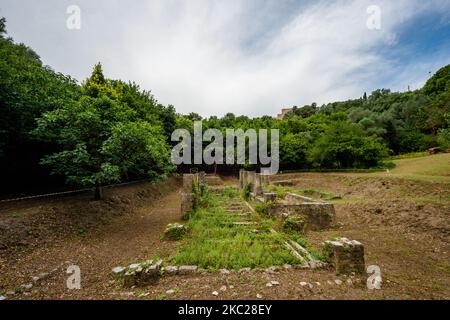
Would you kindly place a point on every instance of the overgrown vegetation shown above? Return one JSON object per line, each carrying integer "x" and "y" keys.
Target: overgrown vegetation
{"x": 216, "y": 242}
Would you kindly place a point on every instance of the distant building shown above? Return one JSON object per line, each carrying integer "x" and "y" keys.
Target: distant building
{"x": 284, "y": 113}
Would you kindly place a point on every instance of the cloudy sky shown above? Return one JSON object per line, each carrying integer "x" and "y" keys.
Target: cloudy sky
{"x": 249, "y": 57}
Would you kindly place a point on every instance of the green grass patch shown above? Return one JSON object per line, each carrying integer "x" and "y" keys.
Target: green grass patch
{"x": 216, "y": 242}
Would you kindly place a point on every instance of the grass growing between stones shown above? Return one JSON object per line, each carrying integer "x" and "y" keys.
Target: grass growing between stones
{"x": 216, "y": 242}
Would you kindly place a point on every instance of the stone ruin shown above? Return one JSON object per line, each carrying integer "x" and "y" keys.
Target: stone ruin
{"x": 346, "y": 255}
{"x": 187, "y": 196}
{"x": 316, "y": 215}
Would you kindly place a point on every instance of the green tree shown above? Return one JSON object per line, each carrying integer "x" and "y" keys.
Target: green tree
{"x": 102, "y": 138}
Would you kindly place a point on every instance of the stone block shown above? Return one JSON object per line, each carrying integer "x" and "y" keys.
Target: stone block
{"x": 186, "y": 270}
{"x": 346, "y": 255}
{"x": 175, "y": 231}
{"x": 269, "y": 197}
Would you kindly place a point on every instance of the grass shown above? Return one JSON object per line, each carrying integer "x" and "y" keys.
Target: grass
{"x": 434, "y": 168}
{"x": 312, "y": 193}
{"x": 215, "y": 242}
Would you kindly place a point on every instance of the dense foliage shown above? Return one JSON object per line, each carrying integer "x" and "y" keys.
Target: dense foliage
{"x": 107, "y": 130}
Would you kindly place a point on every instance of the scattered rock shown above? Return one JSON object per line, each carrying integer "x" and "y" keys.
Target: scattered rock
{"x": 223, "y": 288}
{"x": 142, "y": 295}
{"x": 275, "y": 283}
{"x": 349, "y": 282}
{"x": 231, "y": 287}
{"x": 338, "y": 282}
{"x": 2, "y": 298}
{"x": 272, "y": 269}
{"x": 258, "y": 296}
{"x": 118, "y": 270}
{"x": 175, "y": 231}
{"x": 303, "y": 284}
{"x": 269, "y": 284}
{"x": 27, "y": 286}
{"x": 287, "y": 266}
{"x": 171, "y": 291}
{"x": 183, "y": 270}
{"x": 224, "y": 271}
{"x": 171, "y": 270}
{"x": 318, "y": 283}
{"x": 215, "y": 293}
{"x": 11, "y": 293}
{"x": 133, "y": 266}
{"x": 243, "y": 270}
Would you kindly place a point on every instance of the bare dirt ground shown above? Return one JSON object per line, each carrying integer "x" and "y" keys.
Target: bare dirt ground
{"x": 403, "y": 223}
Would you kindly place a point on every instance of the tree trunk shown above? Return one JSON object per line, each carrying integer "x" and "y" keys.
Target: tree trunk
{"x": 98, "y": 193}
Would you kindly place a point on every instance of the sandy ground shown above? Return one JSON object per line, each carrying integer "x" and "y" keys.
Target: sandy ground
{"x": 404, "y": 225}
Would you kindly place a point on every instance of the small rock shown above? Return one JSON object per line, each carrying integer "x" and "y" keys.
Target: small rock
{"x": 231, "y": 287}
{"x": 223, "y": 288}
{"x": 259, "y": 296}
{"x": 303, "y": 284}
{"x": 133, "y": 266}
{"x": 27, "y": 286}
{"x": 43, "y": 275}
{"x": 183, "y": 270}
{"x": 318, "y": 283}
{"x": 144, "y": 294}
{"x": 243, "y": 270}
{"x": 118, "y": 270}
{"x": 338, "y": 282}
{"x": 35, "y": 279}
{"x": 275, "y": 283}
{"x": 11, "y": 293}
{"x": 272, "y": 269}
{"x": 2, "y": 298}
{"x": 171, "y": 291}
{"x": 224, "y": 271}
{"x": 269, "y": 284}
{"x": 329, "y": 282}
{"x": 215, "y": 293}
{"x": 171, "y": 270}
{"x": 287, "y": 266}
{"x": 349, "y": 282}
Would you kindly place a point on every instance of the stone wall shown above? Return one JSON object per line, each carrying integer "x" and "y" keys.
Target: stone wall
{"x": 318, "y": 216}
{"x": 187, "y": 196}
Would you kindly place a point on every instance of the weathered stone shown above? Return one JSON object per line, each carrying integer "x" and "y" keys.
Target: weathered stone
{"x": 186, "y": 204}
{"x": 133, "y": 266}
{"x": 175, "y": 231}
{"x": 185, "y": 270}
{"x": 269, "y": 197}
{"x": 2, "y": 298}
{"x": 346, "y": 255}
{"x": 244, "y": 270}
{"x": 171, "y": 270}
{"x": 215, "y": 293}
{"x": 27, "y": 286}
{"x": 224, "y": 271}
{"x": 118, "y": 270}
{"x": 257, "y": 185}
{"x": 295, "y": 224}
{"x": 171, "y": 291}
{"x": 129, "y": 279}
{"x": 318, "y": 215}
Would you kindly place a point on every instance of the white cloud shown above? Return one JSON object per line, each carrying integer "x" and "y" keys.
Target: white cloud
{"x": 214, "y": 57}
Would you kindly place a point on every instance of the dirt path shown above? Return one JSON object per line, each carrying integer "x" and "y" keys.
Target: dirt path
{"x": 133, "y": 237}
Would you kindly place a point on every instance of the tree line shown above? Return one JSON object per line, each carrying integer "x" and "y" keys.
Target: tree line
{"x": 104, "y": 130}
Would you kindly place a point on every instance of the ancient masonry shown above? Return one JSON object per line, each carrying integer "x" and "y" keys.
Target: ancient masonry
{"x": 346, "y": 255}
{"x": 317, "y": 215}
